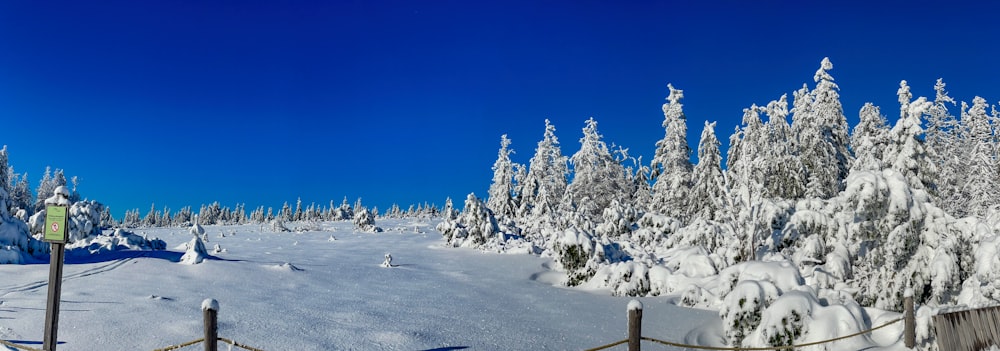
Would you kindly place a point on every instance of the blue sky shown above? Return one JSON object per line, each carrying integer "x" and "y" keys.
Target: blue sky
{"x": 261, "y": 102}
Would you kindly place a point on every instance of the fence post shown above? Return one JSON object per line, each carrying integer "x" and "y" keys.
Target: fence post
{"x": 634, "y": 325}
{"x": 909, "y": 321}
{"x": 210, "y": 307}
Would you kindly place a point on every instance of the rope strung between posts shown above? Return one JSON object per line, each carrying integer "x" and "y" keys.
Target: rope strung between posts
{"x": 174, "y": 347}
{"x": 773, "y": 347}
{"x": 251, "y": 348}
{"x": 608, "y": 346}
{"x": 699, "y": 347}
{"x": 19, "y": 347}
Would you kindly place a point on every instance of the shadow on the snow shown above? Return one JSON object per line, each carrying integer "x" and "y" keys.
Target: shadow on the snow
{"x": 76, "y": 257}
{"x": 450, "y": 348}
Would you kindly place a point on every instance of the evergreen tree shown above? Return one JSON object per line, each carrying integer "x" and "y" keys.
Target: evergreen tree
{"x": 709, "y": 188}
{"x": 671, "y": 168}
{"x": 785, "y": 176}
{"x": 907, "y": 153}
{"x": 870, "y": 139}
{"x": 545, "y": 184}
{"x": 979, "y": 181}
{"x": 501, "y": 193}
{"x": 597, "y": 178}
{"x": 45, "y": 190}
{"x": 943, "y": 137}
{"x": 821, "y": 132}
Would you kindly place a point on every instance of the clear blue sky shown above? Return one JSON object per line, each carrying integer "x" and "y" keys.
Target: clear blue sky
{"x": 261, "y": 102}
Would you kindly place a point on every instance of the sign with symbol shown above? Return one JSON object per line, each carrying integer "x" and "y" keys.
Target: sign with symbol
{"x": 55, "y": 231}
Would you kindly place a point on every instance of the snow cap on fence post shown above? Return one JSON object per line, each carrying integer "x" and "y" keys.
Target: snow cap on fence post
{"x": 210, "y": 304}
{"x": 634, "y": 305}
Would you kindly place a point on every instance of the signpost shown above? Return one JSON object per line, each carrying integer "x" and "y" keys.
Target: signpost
{"x": 56, "y": 233}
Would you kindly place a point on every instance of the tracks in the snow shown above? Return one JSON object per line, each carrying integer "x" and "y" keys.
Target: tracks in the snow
{"x": 98, "y": 269}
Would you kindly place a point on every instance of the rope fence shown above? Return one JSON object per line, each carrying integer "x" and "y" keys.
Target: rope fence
{"x": 210, "y": 309}
{"x": 19, "y": 347}
{"x": 635, "y": 327}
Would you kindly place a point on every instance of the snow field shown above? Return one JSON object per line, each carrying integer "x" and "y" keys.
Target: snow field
{"x": 325, "y": 295}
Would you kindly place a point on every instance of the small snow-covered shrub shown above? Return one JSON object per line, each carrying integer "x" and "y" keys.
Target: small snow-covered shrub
{"x": 475, "y": 227}
{"x": 364, "y": 221}
{"x": 742, "y": 307}
{"x": 629, "y": 278}
{"x": 576, "y": 254}
{"x": 196, "y": 252}
{"x": 619, "y": 220}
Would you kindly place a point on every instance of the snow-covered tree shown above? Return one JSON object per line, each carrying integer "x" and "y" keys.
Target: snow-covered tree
{"x": 598, "y": 179}
{"x": 475, "y": 227}
{"x": 828, "y": 110}
{"x": 501, "y": 193}
{"x": 944, "y": 137}
{"x": 978, "y": 180}
{"x": 785, "y": 175}
{"x": 545, "y": 184}
{"x": 907, "y": 153}
{"x": 364, "y": 221}
{"x": 671, "y": 168}
{"x": 709, "y": 188}
{"x": 870, "y": 139}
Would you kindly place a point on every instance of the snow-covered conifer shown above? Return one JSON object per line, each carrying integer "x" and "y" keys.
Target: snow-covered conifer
{"x": 709, "y": 189}
{"x": 598, "y": 178}
{"x": 870, "y": 139}
{"x": 501, "y": 193}
{"x": 978, "y": 176}
{"x": 545, "y": 184}
{"x": 671, "y": 168}
{"x": 785, "y": 175}
{"x": 907, "y": 153}
{"x": 364, "y": 221}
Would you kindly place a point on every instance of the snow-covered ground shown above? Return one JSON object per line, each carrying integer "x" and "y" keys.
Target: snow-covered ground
{"x": 307, "y": 291}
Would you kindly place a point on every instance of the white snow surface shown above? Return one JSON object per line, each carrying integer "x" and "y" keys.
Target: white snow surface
{"x": 336, "y": 298}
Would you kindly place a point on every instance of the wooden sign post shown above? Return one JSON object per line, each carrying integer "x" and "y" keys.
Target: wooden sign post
{"x": 56, "y": 233}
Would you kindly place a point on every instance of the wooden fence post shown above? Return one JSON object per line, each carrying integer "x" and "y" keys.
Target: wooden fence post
{"x": 909, "y": 321}
{"x": 634, "y": 325}
{"x": 210, "y": 308}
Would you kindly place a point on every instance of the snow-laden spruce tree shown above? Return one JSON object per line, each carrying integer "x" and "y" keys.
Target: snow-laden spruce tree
{"x": 745, "y": 180}
{"x": 944, "y": 137}
{"x": 869, "y": 140}
{"x": 475, "y": 227}
{"x": 708, "y": 192}
{"x": 16, "y": 243}
{"x": 501, "y": 193}
{"x": 598, "y": 179}
{"x": 978, "y": 179}
{"x": 671, "y": 167}
{"x": 907, "y": 153}
{"x": 827, "y": 109}
{"x": 364, "y": 221}
{"x": 544, "y": 185}
{"x": 785, "y": 175}
{"x": 820, "y": 129}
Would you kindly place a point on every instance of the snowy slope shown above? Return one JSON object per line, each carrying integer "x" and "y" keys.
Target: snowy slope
{"x": 307, "y": 291}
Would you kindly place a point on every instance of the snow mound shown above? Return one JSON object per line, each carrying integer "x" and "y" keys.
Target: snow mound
{"x": 196, "y": 252}
{"x": 286, "y": 267}
{"x": 16, "y": 244}
{"x": 118, "y": 240}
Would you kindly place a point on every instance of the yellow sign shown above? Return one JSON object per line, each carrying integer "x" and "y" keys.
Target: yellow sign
{"x": 55, "y": 224}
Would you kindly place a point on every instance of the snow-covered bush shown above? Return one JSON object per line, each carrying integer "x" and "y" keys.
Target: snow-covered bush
{"x": 195, "y": 253}
{"x": 618, "y": 220}
{"x": 578, "y": 255}
{"x": 364, "y": 221}
{"x": 475, "y": 227}
{"x": 741, "y": 310}
{"x": 117, "y": 240}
